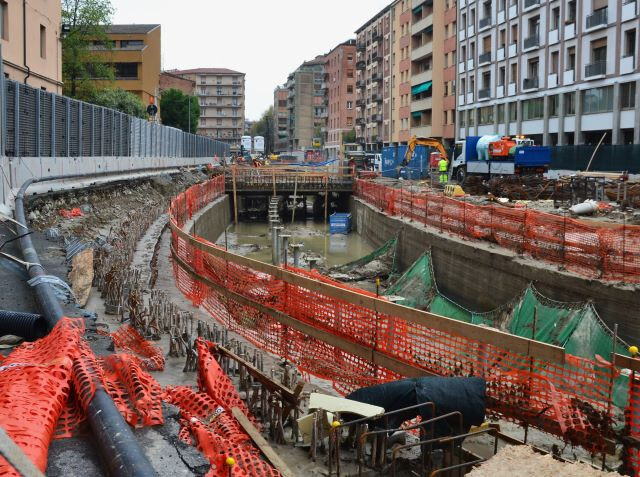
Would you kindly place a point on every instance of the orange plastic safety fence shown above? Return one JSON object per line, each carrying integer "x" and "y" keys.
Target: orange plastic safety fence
{"x": 34, "y": 387}
{"x": 609, "y": 253}
{"x": 568, "y": 400}
{"x": 632, "y": 459}
{"x": 127, "y": 338}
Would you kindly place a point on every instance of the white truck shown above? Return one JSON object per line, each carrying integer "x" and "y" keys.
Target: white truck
{"x": 245, "y": 142}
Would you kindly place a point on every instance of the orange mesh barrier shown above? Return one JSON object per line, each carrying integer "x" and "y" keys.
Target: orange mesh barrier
{"x": 568, "y": 400}
{"x": 608, "y": 253}
{"x": 34, "y": 387}
{"x": 127, "y": 338}
{"x": 632, "y": 459}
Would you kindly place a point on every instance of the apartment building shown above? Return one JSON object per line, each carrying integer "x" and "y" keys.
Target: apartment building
{"x": 401, "y": 72}
{"x": 307, "y": 104}
{"x": 135, "y": 56}
{"x": 220, "y": 93}
{"x": 281, "y": 120}
{"x": 560, "y": 71}
{"x": 340, "y": 79}
{"x": 432, "y": 71}
{"x": 373, "y": 81}
{"x": 31, "y": 50}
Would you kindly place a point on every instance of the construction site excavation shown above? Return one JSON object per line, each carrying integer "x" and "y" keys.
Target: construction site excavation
{"x": 422, "y": 259}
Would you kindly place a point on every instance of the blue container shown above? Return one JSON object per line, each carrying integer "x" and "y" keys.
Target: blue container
{"x": 471, "y": 144}
{"x": 389, "y": 161}
{"x": 339, "y": 223}
{"x": 533, "y": 156}
{"x": 418, "y": 167}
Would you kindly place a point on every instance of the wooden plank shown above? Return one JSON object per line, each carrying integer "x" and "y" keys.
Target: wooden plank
{"x": 262, "y": 444}
{"x": 274, "y": 386}
{"x": 516, "y": 344}
{"x": 626, "y": 362}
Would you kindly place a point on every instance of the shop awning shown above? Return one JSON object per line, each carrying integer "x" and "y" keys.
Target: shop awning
{"x": 416, "y": 114}
{"x": 421, "y": 88}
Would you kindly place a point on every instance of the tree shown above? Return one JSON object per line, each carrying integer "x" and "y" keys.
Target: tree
{"x": 264, "y": 127}
{"x": 120, "y": 100}
{"x": 87, "y": 21}
{"x": 349, "y": 137}
{"x": 174, "y": 110}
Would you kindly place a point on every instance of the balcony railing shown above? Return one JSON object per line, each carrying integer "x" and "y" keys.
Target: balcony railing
{"x": 376, "y": 118}
{"x": 531, "y": 3}
{"x": 361, "y": 47}
{"x": 360, "y": 121}
{"x": 361, "y": 84}
{"x": 532, "y": 41}
{"x": 376, "y": 37}
{"x": 484, "y": 93}
{"x": 484, "y": 22}
{"x": 597, "y": 18}
{"x": 376, "y": 77}
{"x": 377, "y": 98}
{"x": 361, "y": 65}
{"x": 484, "y": 58}
{"x": 530, "y": 83}
{"x": 597, "y": 68}
{"x": 360, "y": 102}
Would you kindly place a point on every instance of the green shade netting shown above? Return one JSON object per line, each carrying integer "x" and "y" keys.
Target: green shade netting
{"x": 387, "y": 252}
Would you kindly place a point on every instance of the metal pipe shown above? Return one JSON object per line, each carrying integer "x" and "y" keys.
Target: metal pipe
{"x": 274, "y": 244}
{"x": 285, "y": 248}
{"x": 24, "y": 40}
{"x": 297, "y": 247}
{"x": 116, "y": 442}
{"x": 277, "y": 230}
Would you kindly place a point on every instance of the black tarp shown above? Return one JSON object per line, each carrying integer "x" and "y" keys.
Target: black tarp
{"x": 466, "y": 395}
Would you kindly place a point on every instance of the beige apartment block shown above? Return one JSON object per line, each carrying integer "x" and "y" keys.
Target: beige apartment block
{"x": 374, "y": 81}
{"x": 281, "y": 118}
{"x": 561, "y": 72}
{"x": 401, "y": 72}
{"x": 42, "y": 65}
{"x": 220, "y": 93}
{"x": 340, "y": 79}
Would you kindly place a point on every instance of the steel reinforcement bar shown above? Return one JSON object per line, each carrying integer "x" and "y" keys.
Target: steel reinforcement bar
{"x": 355, "y": 338}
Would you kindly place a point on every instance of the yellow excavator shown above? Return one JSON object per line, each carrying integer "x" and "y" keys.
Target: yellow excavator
{"x": 423, "y": 141}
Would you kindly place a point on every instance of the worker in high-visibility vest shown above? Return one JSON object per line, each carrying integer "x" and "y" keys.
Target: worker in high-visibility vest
{"x": 443, "y": 166}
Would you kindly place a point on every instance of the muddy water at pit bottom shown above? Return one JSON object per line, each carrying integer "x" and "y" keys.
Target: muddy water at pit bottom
{"x": 253, "y": 240}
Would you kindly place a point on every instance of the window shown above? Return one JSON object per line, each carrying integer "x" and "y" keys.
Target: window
{"x": 502, "y": 38}
{"x": 555, "y": 18}
{"x": 472, "y": 117}
{"x": 553, "y": 106}
{"x": 130, "y": 43}
{"x": 569, "y": 104}
{"x": 349, "y": 104}
{"x": 349, "y": 121}
{"x": 462, "y": 116}
{"x": 630, "y": 43}
{"x": 628, "y": 95}
{"x": 126, "y": 70}
{"x": 486, "y": 115}
{"x": 533, "y": 109}
{"x": 571, "y": 12}
{"x": 349, "y": 73}
{"x": 500, "y": 113}
{"x": 43, "y": 41}
{"x": 555, "y": 62}
{"x": 350, "y": 58}
{"x": 514, "y": 33}
{"x": 513, "y": 112}
{"x": 4, "y": 20}
{"x": 349, "y": 89}
{"x": 502, "y": 74}
{"x": 571, "y": 58}
{"x": 514, "y": 73}
{"x": 599, "y": 50}
{"x": 219, "y": 122}
{"x": 597, "y": 100}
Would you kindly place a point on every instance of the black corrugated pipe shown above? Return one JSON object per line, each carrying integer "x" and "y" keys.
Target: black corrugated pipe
{"x": 118, "y": 446}
{"x": 25, "y": 325}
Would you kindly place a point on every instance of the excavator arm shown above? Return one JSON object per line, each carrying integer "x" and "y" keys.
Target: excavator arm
{"x": 422, "y": 141}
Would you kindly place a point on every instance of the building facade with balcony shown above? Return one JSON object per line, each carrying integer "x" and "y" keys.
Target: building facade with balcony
{"x": 307, "y": 104}
{"x": 220, "y": 94}
{"x": 281, "y": 120}
{"x": 401, "y": 72}
{"x": 340, "y": 78}
{"x": 432, "y": 73}
{"x": 374, "y": 81}
{"x": 135, "y": 56}
{"x": 559, "y": 71}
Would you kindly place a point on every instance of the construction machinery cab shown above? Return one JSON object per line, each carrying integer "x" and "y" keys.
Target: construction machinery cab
{"x": 423, "y": 141}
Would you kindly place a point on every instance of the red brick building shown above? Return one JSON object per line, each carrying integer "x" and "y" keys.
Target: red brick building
{"x": 169, "y": 80}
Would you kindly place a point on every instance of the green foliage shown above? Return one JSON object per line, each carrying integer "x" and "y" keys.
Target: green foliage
{"x": 349, "y": 137}
{"x": 174, "y": 110}
{"x": 120, "y": 100}
{"x": 87, "y": 20}
{"x": 264, "y": 127}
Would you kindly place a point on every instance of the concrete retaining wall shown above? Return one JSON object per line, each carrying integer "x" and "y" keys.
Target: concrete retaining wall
{"x": 482, "y": 276}
{"x": 211, "y": 221}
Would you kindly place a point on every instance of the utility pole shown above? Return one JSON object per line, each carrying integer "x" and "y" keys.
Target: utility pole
{"x": 189, "y": 101}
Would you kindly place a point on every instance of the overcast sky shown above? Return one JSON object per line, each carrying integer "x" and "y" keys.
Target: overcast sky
{"x": 266, "y": 39}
